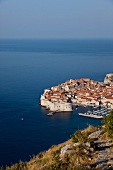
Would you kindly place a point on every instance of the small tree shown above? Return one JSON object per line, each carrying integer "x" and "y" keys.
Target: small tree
{"x": 108, "y": 122}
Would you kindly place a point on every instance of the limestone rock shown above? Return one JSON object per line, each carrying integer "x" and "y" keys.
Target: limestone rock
{"x": 76, "y": 144}
{"x": 88, "y": 144}
{"x": 95, "y": 134}
{"x": 64, "y": 150}
{"x": 91, "y": 149}
{"x": 108, "y": 79}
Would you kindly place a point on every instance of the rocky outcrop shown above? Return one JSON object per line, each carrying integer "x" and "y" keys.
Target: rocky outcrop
{"x": 104, "y": 160}
{"x": 109, "y": 78}
{"x": 95, "y": 135}
{"x": 65, "y": 150}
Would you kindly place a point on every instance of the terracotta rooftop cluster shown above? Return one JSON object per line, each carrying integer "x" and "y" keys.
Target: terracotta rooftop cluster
{"x": 79, "y": 90}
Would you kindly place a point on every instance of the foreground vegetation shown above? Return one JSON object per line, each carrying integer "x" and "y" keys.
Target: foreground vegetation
{"x": 78, "y": 153}
{"x": 108, "y": 123}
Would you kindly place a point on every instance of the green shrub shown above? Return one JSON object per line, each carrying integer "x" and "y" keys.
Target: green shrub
{"x": 18, "y": 166}
{"x": 40, "y": 155}
{"x": 58, "y": 166}
{"x": 108, "y": 122}
{"x": 44, "y": 160}
{"x": 78, "y": 136}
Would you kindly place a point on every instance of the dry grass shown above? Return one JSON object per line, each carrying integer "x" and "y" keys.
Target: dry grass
{"x": 50, "y": 159}
{"x": 46, "y": 158}
{"x": 89, "y": 129}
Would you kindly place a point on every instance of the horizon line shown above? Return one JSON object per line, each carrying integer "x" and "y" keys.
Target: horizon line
{"x": 31, "y": 38}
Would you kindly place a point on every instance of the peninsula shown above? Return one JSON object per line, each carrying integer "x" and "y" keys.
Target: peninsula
{"x": 82, "y": 91}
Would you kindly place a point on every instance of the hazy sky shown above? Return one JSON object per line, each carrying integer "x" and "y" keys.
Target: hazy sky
{"x": 56, "y": 18}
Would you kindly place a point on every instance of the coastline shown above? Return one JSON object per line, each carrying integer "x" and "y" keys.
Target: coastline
{"x": 83, "y": 92}
{"x": 82, "y": 151}
{"x": 20, "y": 93}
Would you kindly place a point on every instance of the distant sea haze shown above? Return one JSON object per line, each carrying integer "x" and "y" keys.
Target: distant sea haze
{"x": 27, "y": 67}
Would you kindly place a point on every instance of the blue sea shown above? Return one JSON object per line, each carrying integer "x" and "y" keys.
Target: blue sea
{"x": 27, "y": 67}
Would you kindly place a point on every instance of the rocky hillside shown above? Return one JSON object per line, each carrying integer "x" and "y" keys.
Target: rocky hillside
{"x": 91, "y": 148}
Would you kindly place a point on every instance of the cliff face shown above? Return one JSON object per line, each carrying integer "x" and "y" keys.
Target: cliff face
{"x": 108, "y": 79}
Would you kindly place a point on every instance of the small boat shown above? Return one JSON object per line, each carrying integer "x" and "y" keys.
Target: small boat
{"x": 22, "y": 118}
{"x": 50, "y": 114}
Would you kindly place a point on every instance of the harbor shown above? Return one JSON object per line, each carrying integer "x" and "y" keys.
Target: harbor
{"x": 97, "y": 114}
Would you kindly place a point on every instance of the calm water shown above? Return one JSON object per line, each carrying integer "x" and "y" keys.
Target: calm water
{"x": 27, "y": 67}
